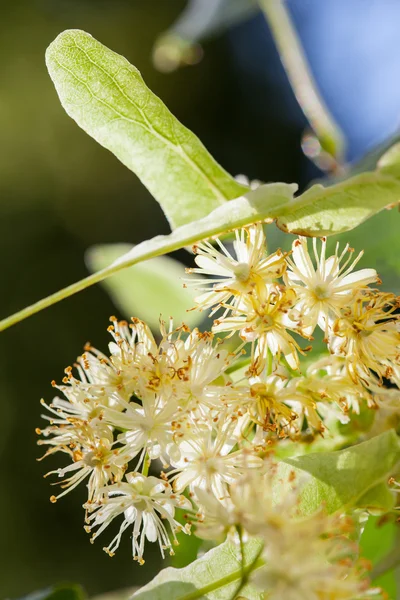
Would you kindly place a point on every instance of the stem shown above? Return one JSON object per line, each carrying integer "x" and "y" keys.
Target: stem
{"x": 226, "y": 580}
{"x": 269, "y": 362}
{"x": 293, "y": 372}
{"x": 300, "y": 77}
{"x": 240, "y": 533}
{"x": 246, "y": 571}
{"x": 56, "y": 297}
{"x": 242, "y": 211}
{"x": 146, "y": 465}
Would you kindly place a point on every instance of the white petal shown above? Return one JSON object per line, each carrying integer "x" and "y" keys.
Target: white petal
{"x": 359, "y": 278}
{"x": 149, "y": 526}
{"x": 212, "y": 266}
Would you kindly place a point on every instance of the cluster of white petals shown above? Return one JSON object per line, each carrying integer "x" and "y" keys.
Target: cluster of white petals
{"x": 272, "y": 308}
{"x": 204, "y": 414}
{"x": 145, "y": 402}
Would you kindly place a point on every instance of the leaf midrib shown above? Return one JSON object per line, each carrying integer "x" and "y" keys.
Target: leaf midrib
{"x": 222, "y": 582}
{"x": 147, "y": 126}
{"x": 307, "y": 200}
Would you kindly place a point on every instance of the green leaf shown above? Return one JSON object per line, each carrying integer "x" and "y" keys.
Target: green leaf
{"x": 58, "y": 592}
{"x": 354, "y": 477}
{"x": 342, "y": 206}
{"x": 379, "y": 499}
{"x": 147, "y": 290}
{"x": 215, "y": 576}
{"x": 108, "y": 98}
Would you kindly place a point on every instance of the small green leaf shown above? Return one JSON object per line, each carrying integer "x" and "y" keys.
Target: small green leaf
{"x": 149, "y": 289}
{"x": 342, "y": 206}
{"x": 58, "y": 592}
{"x": 108, "y": 98}
{"x": 353, "y": 477}
{"x": 215, "y": 576}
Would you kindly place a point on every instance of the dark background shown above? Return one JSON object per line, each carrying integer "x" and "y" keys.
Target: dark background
{"x": 61, "y": 193}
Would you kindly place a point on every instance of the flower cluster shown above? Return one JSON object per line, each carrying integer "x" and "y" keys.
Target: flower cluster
{"x": 147, "y": 402}
{"x": 273, "y": 301}
{"x": 209, "y": 413}
{"x": 267, "y": 299}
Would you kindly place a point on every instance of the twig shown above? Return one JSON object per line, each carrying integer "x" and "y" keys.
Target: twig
{"x": 246, "y": 571}
{"x": 305, "y": 89}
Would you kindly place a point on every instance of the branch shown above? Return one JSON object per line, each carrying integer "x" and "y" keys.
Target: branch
{"x": 301, "y": 79}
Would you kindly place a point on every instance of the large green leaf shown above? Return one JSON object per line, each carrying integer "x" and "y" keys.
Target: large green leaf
{"x": 354, "y": 477}
{"x": 147, "y": 290}
{"x": 108, "y": 98}
{"x": 215, "y": 576}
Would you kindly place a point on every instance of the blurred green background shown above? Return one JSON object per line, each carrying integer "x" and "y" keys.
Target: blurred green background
{"x": 60, "y": 194}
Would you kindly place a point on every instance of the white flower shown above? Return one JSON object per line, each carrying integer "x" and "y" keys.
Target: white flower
{"x": 249, "y": 503}
{"x": 145, "y": 503}
{"x": 135, "y": 351}
{"x": 77, "y": 428}
{"x": 367, "y": 335}
{"x": 328, "y": 382}
{"x": 216, "y": 518}
{"x": 100, "y": 378}
{"x": 232, "y": 278}
{"x": 310, "y": 559}
{"x": 207, "y": 461}
{"x": 197, "y": 361}
{"x": 67, "y": 417}
{"x": 387, "y": 414}
{"x": 146, "y": 428}
{"x": 273, "y": 404}
{"x": 93, "y": 458}
{"x": 323, "y": 290}
{"x": 265, "y": 319}
{"x": 180, "y": 367}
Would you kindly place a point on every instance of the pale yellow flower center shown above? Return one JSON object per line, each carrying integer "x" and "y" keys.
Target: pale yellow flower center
{"x": 242, "y": 271}
{"x": 321, "y": 292}
{"x": 96, "y": 457}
